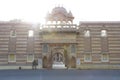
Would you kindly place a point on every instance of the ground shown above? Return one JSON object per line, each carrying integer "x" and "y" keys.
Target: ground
{"x": 59, "y": 74}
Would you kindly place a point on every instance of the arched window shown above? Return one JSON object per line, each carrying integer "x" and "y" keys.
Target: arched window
{"x": 45, "y": 48}
{"x": 49, "y": 22}
{"x": 30, "y": 33}
{"x": 73, "y": 49}
{"x": 13, "y": 33}
{"x": 87, "y": 41}
{"x": 58, "y": 26}
{"x": 58, "y": 22}
{"x": 69, "y": 22}
{"x": 54, "y": 22}
{"x": 87, "y": 33}
{"x": 103, "y": 33}
{"x": 104, "y": 41}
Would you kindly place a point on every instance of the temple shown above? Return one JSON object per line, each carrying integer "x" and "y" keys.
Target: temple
{"x": 93, "y": 45}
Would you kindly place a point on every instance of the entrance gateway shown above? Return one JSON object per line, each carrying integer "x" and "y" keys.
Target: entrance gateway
{"x": 59, "y": 58}
{"x": 59, "y": 39}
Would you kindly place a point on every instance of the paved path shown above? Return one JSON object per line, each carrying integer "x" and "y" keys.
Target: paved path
{"x": 59, "y": 74}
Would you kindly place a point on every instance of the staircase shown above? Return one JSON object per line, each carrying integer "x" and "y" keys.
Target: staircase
{"x": 58, "y": 65}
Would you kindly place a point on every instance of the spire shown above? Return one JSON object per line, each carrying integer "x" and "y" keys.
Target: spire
{"x": 70, "y": 14}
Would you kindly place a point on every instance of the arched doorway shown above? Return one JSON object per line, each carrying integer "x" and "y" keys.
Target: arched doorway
{"x": 58, "y": 57}
{"x": 73, "y": 62}
{"x": 58, "y": 60}
{"x": 44, "y": 62}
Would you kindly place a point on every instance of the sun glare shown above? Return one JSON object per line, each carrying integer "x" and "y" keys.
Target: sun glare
{"x": 36, "y": 10}
{"x": 30, "y": 33}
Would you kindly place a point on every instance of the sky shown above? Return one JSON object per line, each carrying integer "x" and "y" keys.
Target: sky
{"x": 83, "y": 10}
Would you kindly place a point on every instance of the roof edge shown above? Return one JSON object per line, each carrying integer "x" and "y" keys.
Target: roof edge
{"x": 99, "y": 22}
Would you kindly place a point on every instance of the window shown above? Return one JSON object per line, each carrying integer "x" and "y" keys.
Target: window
{"x": 30, "y": 33}
{"x": 87, "y": 41}
{"x": 73, "y": 50}
{"x": 77, "y": 27}
{"x": 67, "y": 26}
{"x": 12, "y": 33}
{"x": 87, "y": 33}
{"x": 11, "y": 58}
{"x": 104, "y": 58}
{"x": 54, "y": 22}
{"x": 87, "y": 57}
{"x": 69, "y": 22}
{"x": 58, "y": 22}
{"x": 73, "y": 26}
{"x": 45, "y": 48}
{"x": 49, "y": 22}
{"x": 104, "y": 41}
{"x": 52, "y": 26}
{"x": 30, "y": 58}
{"x": 58, "y": 26}
{"x": 103, "y": 33}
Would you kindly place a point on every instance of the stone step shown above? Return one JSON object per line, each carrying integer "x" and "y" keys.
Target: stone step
{"x": 58, "y": 65}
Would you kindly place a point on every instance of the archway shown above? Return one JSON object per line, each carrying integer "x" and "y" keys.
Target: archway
{"x": 73, "y": 62}
{"x": 58, "y": 57}
{"x": 44, "y": 62}
{"x": 58, "y": 61}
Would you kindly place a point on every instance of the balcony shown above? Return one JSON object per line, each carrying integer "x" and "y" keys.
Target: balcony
{"x": 59, "y": 41}
{"x": 59, "y": 28}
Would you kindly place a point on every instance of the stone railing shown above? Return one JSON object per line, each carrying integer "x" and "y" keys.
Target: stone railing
{"x": 59, "y": 41}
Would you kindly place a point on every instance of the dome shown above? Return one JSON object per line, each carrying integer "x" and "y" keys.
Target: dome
{"x": 59, "y": 14}
{"x": 58, "y": 10}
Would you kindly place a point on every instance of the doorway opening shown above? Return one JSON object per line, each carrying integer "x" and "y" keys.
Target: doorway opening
{"x": 58, "y": 60}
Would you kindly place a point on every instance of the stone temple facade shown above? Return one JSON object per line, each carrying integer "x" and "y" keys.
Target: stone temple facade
{"x": 87, "y": 45}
